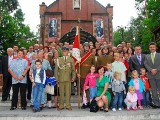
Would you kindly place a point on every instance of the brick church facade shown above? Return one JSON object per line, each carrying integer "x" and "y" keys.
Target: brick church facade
{"x": 60, "y": 17}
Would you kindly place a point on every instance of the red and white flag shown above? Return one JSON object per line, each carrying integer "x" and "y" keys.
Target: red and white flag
{"x": 76, "y": 47}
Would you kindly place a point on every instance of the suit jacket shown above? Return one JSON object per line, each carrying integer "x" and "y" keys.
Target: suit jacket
{"x": 134, "y": 63}
{"x": 5, "y": 66}
{"x": 149, "y": 65}
{"x": 65, "y": 70}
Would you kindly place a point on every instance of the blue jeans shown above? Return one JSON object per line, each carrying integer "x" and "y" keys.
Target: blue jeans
{"x": 93, "y": 92}
{"x": 43, "y": 101}
{"x": 37, "y": 95}
{"x": 44, "y": 97}
{"x": 146, "y": 98}
{"x": 118, "y": 98}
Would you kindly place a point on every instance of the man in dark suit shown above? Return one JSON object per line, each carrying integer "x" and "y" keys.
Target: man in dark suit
{"x": 152, "y": 65}
{"x": 136, "y": 62}
{"x": 7, "y": 78}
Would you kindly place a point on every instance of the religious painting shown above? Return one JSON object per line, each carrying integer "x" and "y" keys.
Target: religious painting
{"x": 99, "y": 29}
{"x": 53, "y": 27}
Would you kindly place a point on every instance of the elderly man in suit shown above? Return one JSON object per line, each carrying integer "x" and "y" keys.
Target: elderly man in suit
{"x": 152, "y": 65}
{"x": 65, "y": 74}
{"x": 7, "y": 78}
{"x": 136, "y": 62}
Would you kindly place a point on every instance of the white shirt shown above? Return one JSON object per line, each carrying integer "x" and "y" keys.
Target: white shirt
{"x": 37, "y": 77}
{"x": 119, "y": 67}
{"x": 10, "y": 58}
{"x": 29, "y": 55}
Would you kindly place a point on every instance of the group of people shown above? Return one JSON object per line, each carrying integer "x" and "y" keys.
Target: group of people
{"x": 116, "y": 77}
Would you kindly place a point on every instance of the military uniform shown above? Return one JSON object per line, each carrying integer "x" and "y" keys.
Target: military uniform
{"x": 65, "y": 73}
{"x": 103, "y": 60}
{"x": 84, "y": 70}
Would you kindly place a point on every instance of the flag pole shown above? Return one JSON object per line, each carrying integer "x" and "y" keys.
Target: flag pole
{"x": 79, "y": 82}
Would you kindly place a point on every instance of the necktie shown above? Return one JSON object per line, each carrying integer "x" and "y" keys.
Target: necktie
{"x": 139, "y": 59}
{"x": 152, "y": 57}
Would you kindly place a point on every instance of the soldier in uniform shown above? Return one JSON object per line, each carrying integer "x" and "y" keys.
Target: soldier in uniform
{"x": 65, "y": 74}
{"x": 104, "y": 58}
{"x": 87, "y": 61}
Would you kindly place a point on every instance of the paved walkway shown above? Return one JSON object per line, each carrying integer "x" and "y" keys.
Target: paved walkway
{"x": 75, "y": 114}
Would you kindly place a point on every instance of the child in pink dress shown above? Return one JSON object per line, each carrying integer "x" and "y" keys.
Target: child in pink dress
{"x": 131, "y": 99}
{"x": 90, "y": 83}
{"x": 139, "y": 87}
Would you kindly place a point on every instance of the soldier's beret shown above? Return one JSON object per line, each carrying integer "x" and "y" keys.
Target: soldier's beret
{"x": 65, "y": 49}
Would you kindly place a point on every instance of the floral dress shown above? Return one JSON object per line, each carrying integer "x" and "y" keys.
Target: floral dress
{"x": 100, "y": 87}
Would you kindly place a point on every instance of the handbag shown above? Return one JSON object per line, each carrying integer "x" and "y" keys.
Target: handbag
{"x": 84, "y": 98}
{"x": 49, "y": 89}
{"x": 93, "y": 106}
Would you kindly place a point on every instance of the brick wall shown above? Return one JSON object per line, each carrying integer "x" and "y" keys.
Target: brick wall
{"x": 69, "y": 16}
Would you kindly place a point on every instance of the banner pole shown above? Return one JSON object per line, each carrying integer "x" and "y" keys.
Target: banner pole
{"x": 79, "y": 82}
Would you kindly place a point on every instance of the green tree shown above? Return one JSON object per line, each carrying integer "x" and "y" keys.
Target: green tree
{"x": 140, "y": 29}
{"x": 8, "y": 5}
{"x": 14, "y": 32}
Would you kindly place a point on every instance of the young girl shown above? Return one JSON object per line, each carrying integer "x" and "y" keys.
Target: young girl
{"x": 38, "y": 81}
{"x": 118, "y": 89}
{"x": 139, "y": 87}
{"x": 146, "y": 94}
{"x": 131, "y": 99}
{"x": 91, "y": 81}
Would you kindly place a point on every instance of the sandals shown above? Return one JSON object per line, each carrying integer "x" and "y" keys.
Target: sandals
{"x": 106, "y": 110}
{"x": 101, "y": 109}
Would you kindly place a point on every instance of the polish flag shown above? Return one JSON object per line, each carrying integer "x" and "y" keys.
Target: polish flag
{"x": 76, "y": 47}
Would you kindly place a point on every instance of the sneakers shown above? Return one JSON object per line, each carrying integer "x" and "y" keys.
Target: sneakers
{"x": 84, "y": 106}
{"x": 134, "y": 109}
{"x": 113, "y": 109}
{"x": 140, "y": 107}
{"x": 120, "y": 109}
{"x": 128, "y": 109}
{"x": 148, "y": 106}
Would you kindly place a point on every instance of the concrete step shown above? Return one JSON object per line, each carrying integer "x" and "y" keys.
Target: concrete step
{"x": 74, "y": 98}
{"x": 77, "y": 114}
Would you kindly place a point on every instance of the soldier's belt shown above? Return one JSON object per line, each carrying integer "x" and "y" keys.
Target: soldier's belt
{"x": 103, "y": 66}
{"x": 86, "y": 65}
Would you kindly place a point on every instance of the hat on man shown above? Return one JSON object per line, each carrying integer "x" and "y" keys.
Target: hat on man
{"x": 65, "y": 49}
{"x": 86, "y": 44}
